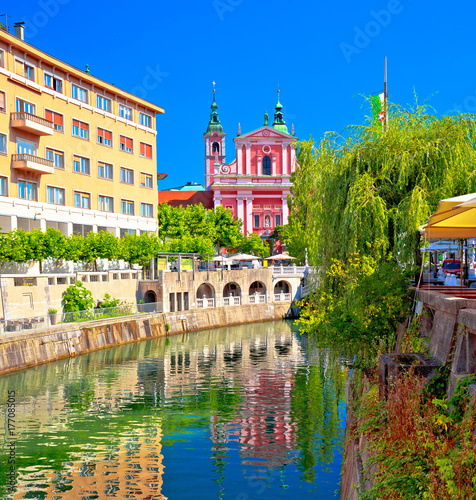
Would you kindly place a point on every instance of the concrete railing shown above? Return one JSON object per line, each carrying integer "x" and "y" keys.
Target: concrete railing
{"x": 22, "y": 115}
{"x": 33, "y": 324}
{"x": 288, "y": 270}
{"x": 282, "y": 297}
{"x": 257, "y": 298}
{"x": 205, "y": 303}
{"x": 231, "y": 301}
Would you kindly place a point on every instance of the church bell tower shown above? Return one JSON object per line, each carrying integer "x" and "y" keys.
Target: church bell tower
{"x": 214, "y": 145}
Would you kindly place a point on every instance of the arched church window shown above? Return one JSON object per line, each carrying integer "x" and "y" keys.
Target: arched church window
{"x": 266, "y": 165}
{"x": 215, "y": 147}
{"x": 267, "y": 221}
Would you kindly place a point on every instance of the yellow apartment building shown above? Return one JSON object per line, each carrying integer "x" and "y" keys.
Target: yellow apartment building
{"x": 76, "y": 153}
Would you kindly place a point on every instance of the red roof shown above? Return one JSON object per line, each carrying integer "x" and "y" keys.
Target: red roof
{"x": 185, "y": 198}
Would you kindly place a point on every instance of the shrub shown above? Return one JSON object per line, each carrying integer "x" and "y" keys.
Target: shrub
{"x": 77, "y": 298}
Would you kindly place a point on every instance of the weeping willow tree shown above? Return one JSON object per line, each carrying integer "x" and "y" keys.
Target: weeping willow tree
{"x": 358, "y": 202}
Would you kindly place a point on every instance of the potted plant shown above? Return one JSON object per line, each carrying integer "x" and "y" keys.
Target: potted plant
{"x": 52, "y": 311}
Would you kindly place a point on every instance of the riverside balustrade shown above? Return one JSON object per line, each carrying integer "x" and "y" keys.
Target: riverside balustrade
{"x": 36, "y": 323}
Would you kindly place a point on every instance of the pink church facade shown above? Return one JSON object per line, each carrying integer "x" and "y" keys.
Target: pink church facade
{"x": 256, "y": 185}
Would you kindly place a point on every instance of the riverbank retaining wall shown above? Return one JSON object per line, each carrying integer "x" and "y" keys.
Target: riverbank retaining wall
{"x": 23, "y": 351}
{"x": 449, "y": 323}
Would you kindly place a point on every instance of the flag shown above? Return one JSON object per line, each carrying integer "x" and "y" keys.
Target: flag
{"x": 378, "y": 111}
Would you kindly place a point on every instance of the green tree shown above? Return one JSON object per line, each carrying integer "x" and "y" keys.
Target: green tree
{"x": 216, "y": 226}
{"x": 74, "y": 248}
{"x": 139, "y": 249}
{"x": 171, "y": 221}
{"x": 100, "y": 245}
{"x": 253, "y": 244}
{"x": 191, "y": 244}
{"x": 43, "y": 245}
{"x": 227, "y": 228}
{"x": 359, "y": 200}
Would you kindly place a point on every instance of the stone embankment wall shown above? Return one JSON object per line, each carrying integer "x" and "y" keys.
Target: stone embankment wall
{"x": 449, "y": 323}
{"x": 23, "y": 351}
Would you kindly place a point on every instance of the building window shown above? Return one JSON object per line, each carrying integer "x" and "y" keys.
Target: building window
{"x": 215, "y": 147}
{"x": 105, "y": 137}
{"x": 26, "y": 148}
{"x": 25, "y": 107}
{"x": 125, "y": 144}
{"x": 3, "y": 101}
{"x": 82, "y": 200}
{"x": 256, "y": 221}
{"x": 127, "y": 207}
{"x": 277, "y": 220}
{"x": 266, "y": 165}
{"x": 81, "y": 165}
{"x": 146, "y": 210}
{"x": 146, "y": 180}
{"x": 3, "y": 186}
{"x": 53, "y": 82}
{"x": 55, "y": 195}
{"x": 105, "y": 170}
{"x": 3, "y": 144}
{"x": 145, "y": 150}
{"x": 79, "y": 93}
{"x": 81, "y": 129}
{"x": 2, "y": 58}
{"x": 27, "y": 190}
{"x": 56, "y": 156}
{"x": 127, "y": 176}
{"x": 103, "y": 103}
{"x": 106, "y": 203}
{"x": 125, "y": 112}
{"x": 25, "y": 69}
{"x": 56, "y": 118}
{"x": 145, "y": 120}
{"x": 267, "y": 221}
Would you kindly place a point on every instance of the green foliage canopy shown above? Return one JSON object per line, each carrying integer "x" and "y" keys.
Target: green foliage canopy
{"x": 359, "y": 200}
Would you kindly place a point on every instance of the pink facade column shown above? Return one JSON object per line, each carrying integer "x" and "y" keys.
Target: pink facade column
{"x": 285, "y": 209}
{"x": 249, "y": 214}
{"x": 239, "y": 159}
{"x": 285, "y": 159}
{"x": 240, "y": 210}
{"x": 273, "y": 164}
{"x": 293, "y": 156}
{"x": 248, "y": 159}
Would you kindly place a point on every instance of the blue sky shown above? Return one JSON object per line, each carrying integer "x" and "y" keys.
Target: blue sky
{"x": 322, "y": 55}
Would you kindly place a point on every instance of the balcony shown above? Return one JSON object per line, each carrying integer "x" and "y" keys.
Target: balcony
{"x": 30, "y": 163}
{"x": 31, "y": 123}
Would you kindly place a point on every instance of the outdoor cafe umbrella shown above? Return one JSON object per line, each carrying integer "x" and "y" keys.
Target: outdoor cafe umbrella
{"x": 221, "y": 258}
{"x": 243, "y": 257}
{"x": 280, "y": 256}
{"x": 454, "y": 218}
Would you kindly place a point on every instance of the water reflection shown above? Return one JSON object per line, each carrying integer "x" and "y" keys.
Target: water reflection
{"x": 243, "y": 413}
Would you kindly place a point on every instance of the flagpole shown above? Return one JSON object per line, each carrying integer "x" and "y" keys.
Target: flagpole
{"x": 385, "y": 98}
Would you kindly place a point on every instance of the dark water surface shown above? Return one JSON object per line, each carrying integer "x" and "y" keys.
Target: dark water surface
{"x": 237, "y": 413}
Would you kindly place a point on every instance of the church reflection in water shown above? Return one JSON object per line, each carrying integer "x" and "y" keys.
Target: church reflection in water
{"x": 101, "y": 425}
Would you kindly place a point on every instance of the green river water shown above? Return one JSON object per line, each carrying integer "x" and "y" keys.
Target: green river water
{"x": 239, "y": 413}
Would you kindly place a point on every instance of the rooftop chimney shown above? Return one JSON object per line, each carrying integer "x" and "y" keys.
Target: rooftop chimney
{"x": 20, "y": 30}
